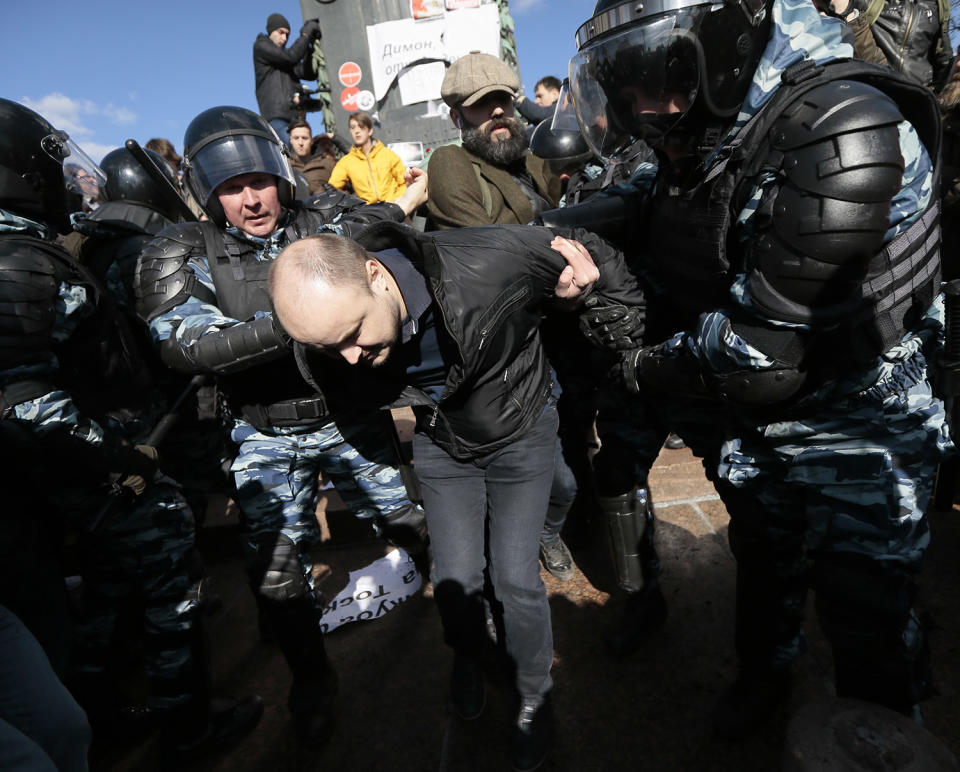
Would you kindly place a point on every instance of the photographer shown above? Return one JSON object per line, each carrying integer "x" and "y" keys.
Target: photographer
{"x": 278, "y": 70}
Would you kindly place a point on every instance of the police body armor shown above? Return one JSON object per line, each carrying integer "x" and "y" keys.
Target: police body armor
{"x": 273, "y": 393}
{"x": 99, "y": 364}
{"x": 831, "y": 138}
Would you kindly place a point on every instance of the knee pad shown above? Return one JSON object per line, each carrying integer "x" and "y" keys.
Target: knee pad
{"x": 274, "y": 568}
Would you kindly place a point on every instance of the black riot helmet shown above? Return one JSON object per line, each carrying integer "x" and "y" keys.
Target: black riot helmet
{"x": 648, "y": 69}
{"x": 558, "y": 140}
{"x": 223, "y": 142}
{"x": 32, "y": 156}
{"x": 127, "y": 180}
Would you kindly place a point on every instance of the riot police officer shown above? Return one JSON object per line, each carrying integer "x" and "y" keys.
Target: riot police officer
{"x": 791, "y": 240}
{"x": 71, "y": 372}
{"x": 202, "y": 287}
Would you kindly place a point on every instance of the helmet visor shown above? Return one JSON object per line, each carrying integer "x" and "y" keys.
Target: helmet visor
{"x": 232, "y": 155}
{"x": 638, "y": 83}
{"x": 564, "y": 116}
{"x": 80, "y": 174}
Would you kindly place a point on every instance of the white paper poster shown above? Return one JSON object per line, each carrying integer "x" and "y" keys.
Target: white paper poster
{"x": 373, "y": 591}
{"x": 394, "y": 44}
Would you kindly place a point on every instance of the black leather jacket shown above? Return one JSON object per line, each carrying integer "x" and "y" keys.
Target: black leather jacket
{"x": 913, "y": 39}
{"x": 278, "y": 72}
{"x": 490, "y": 287}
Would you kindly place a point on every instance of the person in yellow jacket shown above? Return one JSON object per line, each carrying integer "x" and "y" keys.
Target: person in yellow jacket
{"x": 373, "y": 170}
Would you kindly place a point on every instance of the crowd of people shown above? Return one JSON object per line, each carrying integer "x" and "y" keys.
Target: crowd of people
{"x": 678, "y": 240}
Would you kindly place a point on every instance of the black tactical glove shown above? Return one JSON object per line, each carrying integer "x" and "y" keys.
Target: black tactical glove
{"x": 612, "y": 325}
{"x": 311, "y": 28}
{"x": 141, "y": 466}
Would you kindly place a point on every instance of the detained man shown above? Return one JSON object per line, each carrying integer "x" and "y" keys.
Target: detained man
{"x": 452, "y": 319}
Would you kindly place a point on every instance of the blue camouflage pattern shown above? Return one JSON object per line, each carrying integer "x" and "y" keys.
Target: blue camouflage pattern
{"x": 142, "y": 554}
{"x": 140, "y": 551}
{"x": 276, "y": 478}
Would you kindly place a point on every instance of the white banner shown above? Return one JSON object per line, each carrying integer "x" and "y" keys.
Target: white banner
{"x": 394, "y": 44}
{"x": 373, "y": 591}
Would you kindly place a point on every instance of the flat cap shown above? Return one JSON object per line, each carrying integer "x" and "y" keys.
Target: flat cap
{"x": 475, "y": 75}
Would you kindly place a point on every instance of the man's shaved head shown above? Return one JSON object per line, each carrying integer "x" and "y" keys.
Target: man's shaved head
{"x": 325, "y": 258}
{"x": 329, "y": 293}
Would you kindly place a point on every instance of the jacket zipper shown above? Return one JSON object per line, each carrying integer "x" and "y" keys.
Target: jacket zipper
{"x": 906, "y": 35}
{"x": 507, "y": 306}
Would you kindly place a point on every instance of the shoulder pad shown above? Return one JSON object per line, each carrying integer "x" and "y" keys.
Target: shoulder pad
{"x": 29, "y": 281}
{"x": 16, "y": 255}
{"x": 177, "y": 239}
{"x": 163, "y": 279}
{"x": 831, "y": 109}
{"x": 130, "y": 216}
{"x": 842, "y": 142}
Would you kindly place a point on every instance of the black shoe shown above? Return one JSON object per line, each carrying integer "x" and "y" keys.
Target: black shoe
{"x": 532, "y": 736}
{"x": 311, "y": 705}
{"x": 556, "y": 558}
{"x": 468, "y": 695}
{"x": 673, "y": 442}
{"x": 750, "y": 701}
{"x": 643, "y": 612}
{"x": 228, "y": 719}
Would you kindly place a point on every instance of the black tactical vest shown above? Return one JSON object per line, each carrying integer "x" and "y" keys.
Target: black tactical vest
{"x": 274, "y": 393}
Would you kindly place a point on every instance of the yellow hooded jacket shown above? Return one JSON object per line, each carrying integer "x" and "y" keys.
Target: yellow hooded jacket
{"x": 374, "y": 177}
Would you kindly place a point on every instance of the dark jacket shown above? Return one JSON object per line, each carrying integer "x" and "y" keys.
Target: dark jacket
{"x": 466, "y": 190}
{"x": 278, "y": 72}
{"x": 533, "y": 112}
{"x": 316, "y": 170}
{"x": 490, "y": 287}
{"x": 913, "y": 38}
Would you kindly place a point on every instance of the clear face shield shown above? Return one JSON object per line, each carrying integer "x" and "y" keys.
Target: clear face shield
{"x": 232, "y": 155}
{"x": 564, "y": 115}
{"x": 80, "y": 174}
{"x": 638, "y": 83}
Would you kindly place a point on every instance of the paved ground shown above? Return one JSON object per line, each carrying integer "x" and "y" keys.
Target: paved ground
{"x": 650, "y": 711}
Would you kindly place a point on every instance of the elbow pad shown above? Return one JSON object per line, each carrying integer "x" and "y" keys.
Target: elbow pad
{"x": 228, "y": 350}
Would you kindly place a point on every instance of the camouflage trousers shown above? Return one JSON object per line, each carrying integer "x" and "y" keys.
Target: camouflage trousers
{"x": 276, "y": 475}
{"x": 139, "y": 560}
{"x": 835, "y": 498}
{"x": 830, "y": 496}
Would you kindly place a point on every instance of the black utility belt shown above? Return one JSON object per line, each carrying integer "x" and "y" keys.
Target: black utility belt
{"x": 286, "y": 413}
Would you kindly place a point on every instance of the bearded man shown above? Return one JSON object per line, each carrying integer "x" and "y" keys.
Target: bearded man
{"x": 491, "y": 178}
